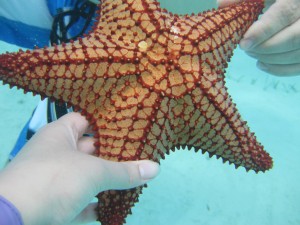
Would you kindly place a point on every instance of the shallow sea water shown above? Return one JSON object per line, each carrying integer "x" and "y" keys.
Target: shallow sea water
{"x": 193, "y": 189}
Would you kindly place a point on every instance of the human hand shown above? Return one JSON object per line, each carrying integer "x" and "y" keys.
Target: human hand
{"x": 55, "y": 177}
{"x": 274, "y": 40}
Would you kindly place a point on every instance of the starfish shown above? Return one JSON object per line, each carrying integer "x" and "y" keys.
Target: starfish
{"x": 148, "y": 81}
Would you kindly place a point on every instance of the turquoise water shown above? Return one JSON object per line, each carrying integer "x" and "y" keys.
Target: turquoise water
{"x": 193, "y": 189}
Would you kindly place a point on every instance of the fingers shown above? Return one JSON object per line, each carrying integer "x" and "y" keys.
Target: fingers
{"x": 125, "y": 175}
{"x": 274, "y": 39}
{"x": 280, "y": 15}
{"x": 286, "y": 40}
{"x": 291, "y": 57}
{"x": 280, "y": 70}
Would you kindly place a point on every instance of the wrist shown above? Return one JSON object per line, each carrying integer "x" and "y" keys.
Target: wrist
{"x": 23, "y": 197}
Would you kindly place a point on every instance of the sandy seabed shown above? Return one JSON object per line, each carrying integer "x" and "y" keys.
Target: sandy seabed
{"x": 193, "y": 189}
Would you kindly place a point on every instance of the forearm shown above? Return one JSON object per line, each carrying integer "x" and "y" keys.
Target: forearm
{"x": 17, "y": 188}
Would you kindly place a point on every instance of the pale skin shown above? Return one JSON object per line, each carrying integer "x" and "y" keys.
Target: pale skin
{"x": 55, "y": 177}
{"x": 274, "y": 40}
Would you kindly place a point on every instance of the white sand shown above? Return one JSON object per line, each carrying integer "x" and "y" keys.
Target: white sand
{"x": 193, "y": 189}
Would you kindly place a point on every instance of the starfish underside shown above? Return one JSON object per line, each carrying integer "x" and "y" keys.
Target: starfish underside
{"x": 148, "y": 81}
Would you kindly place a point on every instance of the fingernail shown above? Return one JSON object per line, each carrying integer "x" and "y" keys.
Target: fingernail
{"x": 262, "y": 66}
{"x": 148, "y": 170}
{"x": 246, "y": 44}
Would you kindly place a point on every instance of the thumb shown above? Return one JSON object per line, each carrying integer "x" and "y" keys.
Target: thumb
{"x": 126, "y": 175}
{"x": 280, "y": 15}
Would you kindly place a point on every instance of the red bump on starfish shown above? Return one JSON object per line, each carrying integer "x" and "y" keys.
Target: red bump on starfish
{"x": 149, "y": 81}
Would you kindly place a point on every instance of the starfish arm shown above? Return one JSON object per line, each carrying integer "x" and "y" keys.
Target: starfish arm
{"x": 53, "y": 72}
{"x": 116, "y": 11}
{"x": 69, "y": 73}
{"x": 211, "y": 122}
{"x": 115, "y": 206}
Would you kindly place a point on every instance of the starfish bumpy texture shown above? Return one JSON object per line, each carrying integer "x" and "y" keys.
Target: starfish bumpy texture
{"x": 148, "y": 81}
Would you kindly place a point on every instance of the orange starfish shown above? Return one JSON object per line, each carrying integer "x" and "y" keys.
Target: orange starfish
{"x": 148, "y": 81}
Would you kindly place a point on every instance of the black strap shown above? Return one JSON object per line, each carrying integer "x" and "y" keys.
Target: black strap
{"x": 55, "y": 110}
{"x": 83, "y": 9}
